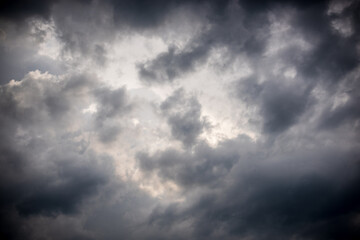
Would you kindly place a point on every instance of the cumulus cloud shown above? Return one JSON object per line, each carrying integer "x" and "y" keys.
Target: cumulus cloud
{"x": 205, "y": 166}
{"x": 280, "y": 103}
{"x": 305, "y": 193}
{"x": 168, "y": 66}
{"x": 48, "y": 168}
{"x": 44, "y": 174}
{"x": 184, "y": 117}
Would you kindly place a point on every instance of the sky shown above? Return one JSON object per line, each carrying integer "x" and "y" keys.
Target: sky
{"x": 179, "y": 119}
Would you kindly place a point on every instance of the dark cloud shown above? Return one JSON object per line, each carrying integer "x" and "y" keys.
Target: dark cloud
{"x": 112, "y": 104}
{"x": 19, "y": 10}
{"x": 266, "y": 5}
{"x": 205, "y": 166}
{"x": 333, "y": 56}
{"x": 291, "y": 197}
{"x": 344, "y": 109}
{"x": 48, "y": 169}
{"x": 84, "y": 28}
{"x": 184, "y": 117}
{"x": 281, "y": 107}
{"x": 142, "y": 14}
{"x": 42, "y": 175}
{"x": 176, "y": 62}
{"x": 348, "y": 112}
{"x": 75, "y": 179}
{"x": 170, "y": 65}
{"x": 243, "y": 29}
{"x": 77, "y": 163}
{"x": 280, "y": 103}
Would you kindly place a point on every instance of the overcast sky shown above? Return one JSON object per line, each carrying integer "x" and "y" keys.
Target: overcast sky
{"x": 179, "y": 120}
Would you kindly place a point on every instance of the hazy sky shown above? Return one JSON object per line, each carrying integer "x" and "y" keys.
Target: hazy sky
{"x": 170, "y": 119}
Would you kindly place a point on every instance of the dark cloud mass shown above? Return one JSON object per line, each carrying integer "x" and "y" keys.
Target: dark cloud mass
{"x": 170, "y": 65}
{"x": 20, "y": 10}
{"x": 180, "y": 119}
{"x": 184, "y": 117}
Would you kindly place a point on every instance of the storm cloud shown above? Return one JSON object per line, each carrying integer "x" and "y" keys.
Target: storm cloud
{"x": 179, "y": 119}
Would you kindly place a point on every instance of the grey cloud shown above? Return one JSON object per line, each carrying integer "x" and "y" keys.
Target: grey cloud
{"x": 332, "y": 58}
{"x": 274, "y": 195}
{"x": 185, "y": 128}
{"x": 184, "y": 117}
{"x": 48, "y": 170}
{"x": 120, "y": 213}
{"x": 205, "y": 166}
{"x": 248, "y": 89}
{"x": 76, "y": 21}
{"x": 142, "y": 14}
{"x": 20, "y": 39}
{"x": 350, "y": 112}
{"x": 170, "y": 65}
{"x": 19, "y": 56}
{"x": 75, "y": 179}
{"x": 333, "y": 55}
{"x": 50, "y": 185}
{"x": 19, "y": 10}
{"x": 109, "y": 133}
{"x": 112, "y": 104}
{"x": 297, "y": 179}
{"x": 265, "y": 5}
{"x": 15, "y": 65}
{"x": 84, "y": 30}
{"x": 345, "y": 113}
{"x": 100, "y": 55}
{"x": 281, "y": 108}
{"x": 243, "y": 29}
{"x": 41, "y": 102}
{"x": 280, "y": 104}
{"x": 326, "y": 65}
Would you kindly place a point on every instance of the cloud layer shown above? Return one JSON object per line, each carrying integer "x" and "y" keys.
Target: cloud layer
{"x": 179, "y": 119}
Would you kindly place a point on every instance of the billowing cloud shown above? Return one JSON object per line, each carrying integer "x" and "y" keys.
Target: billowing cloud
{"x": 179, "y": 120}
{"x": 306, "y": 193}
{"x": 184, "y": 117}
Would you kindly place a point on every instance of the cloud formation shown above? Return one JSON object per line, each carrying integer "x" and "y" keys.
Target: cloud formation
{"x": 179, "y": 119}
